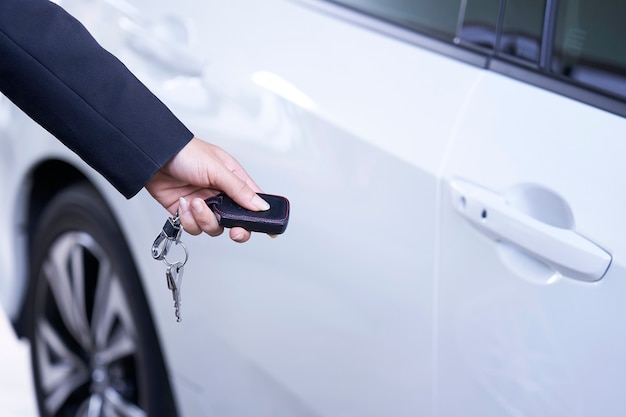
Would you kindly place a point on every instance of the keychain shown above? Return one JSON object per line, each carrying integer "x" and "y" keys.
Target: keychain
{"x": 170, "y": 235}
{"x": 229, "y": 214}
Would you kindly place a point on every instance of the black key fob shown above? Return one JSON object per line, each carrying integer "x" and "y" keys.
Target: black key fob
{"x": 230, "y": 214}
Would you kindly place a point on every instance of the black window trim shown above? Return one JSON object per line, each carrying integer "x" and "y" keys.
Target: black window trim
{"x": 480, "y": 57}
{"x": 547, "y": 37}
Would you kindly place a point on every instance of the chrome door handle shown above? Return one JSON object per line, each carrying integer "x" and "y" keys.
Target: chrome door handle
{"x": 563, "y": 249}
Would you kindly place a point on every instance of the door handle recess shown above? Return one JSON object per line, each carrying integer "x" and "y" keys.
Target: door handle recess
{"x": 563, "y": 249}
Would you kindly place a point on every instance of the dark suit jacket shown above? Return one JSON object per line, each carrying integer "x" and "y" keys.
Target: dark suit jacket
{"x": 53, "y": 69}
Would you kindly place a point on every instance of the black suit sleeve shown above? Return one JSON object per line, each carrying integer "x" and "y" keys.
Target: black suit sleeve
{"x": 53, "y": 69}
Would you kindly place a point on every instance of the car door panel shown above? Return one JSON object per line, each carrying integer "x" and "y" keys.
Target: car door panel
{"x": 368, "y": 157}
{"x": 339, "y": 307}
{"x": 518, "y": 335}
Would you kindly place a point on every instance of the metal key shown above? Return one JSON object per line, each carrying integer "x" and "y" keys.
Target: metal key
{"x": 174, "y": 276}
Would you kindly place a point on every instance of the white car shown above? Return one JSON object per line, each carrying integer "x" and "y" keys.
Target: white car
{"x": 457, "y": 241}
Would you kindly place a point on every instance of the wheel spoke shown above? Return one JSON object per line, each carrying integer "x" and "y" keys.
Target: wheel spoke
{"x": 61, "y": 371}
{"x": 78, "y": 275}
{"x": 111, "y": 310}
{"x": 91, "y": 407}
{"x": 65, "y": 272}
{"x": 95, "y": 406}
{"x": 117, "y": 406}
{"x": 120, "y": 345}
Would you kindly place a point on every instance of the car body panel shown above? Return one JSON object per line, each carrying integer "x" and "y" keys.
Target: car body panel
{"x": 380, "y": 298}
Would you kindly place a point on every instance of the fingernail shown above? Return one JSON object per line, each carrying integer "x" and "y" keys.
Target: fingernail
{"x": 196, "y": 205}
{"x": 260, "y": 204}
{"x": 238, "y": 237}
{"x": 183, "y": 205}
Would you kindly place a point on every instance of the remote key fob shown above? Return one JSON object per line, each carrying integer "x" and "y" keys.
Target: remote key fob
{"x": 230, "y": 214}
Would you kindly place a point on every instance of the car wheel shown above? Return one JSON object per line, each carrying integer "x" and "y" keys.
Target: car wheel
{"x": 94, "y": 350}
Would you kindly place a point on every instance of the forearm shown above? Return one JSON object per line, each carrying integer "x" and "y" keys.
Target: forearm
{"x": 53, "y": 69}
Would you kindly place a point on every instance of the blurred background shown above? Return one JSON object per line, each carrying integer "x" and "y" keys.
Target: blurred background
{"x": 16, "y": 390}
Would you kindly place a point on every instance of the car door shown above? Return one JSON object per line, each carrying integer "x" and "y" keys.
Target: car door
{"x": 531, "y": 285}
{"x": 350, "y": 118}
{"x": 334, "y": 317}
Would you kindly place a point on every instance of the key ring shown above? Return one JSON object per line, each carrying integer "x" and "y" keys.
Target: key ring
{"x": 177, "y": 263}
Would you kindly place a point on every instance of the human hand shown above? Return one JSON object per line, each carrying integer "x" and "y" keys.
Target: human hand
{"x": 199, "y": 171}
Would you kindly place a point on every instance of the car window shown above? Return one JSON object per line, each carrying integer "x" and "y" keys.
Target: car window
{"x": 522, "y": 28}
{"x": 579, "y": 41}
{"x": 589, "y": 44}
{"x": 437, "y": 18}
{"x": 479, "y": 23}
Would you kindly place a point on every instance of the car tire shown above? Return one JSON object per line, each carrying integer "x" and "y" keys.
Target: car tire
{"x": 94, "y": 349}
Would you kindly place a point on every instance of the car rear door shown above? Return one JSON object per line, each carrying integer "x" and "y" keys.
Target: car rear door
{"x": 532, "y": 263}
